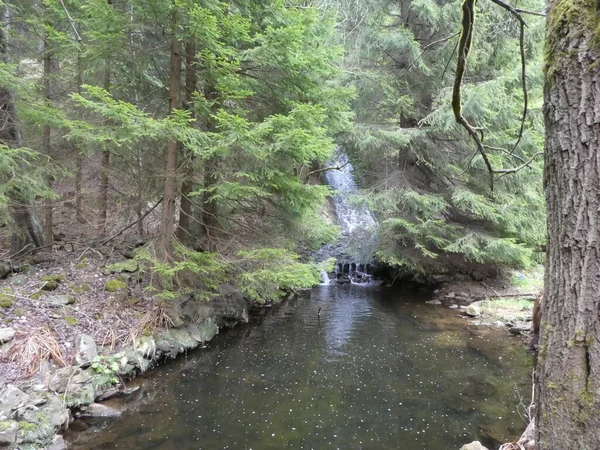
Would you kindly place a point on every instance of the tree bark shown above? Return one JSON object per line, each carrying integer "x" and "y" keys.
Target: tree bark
{"x": 185, "y": 211}
{"x": 170, "y": 185}
{"x": 26, "y": 225}
{"x": 105, "y": 163}
{"x": 568, "y": 372}
{"x": 79, "y": 154}
{"x": 46, "y": 136}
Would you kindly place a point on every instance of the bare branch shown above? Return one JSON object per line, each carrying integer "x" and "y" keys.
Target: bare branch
{"x": 325, "y": 169}
{"x": 71, "y": 21}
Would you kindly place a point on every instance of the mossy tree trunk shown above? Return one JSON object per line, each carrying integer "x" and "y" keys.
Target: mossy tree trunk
{"x": 568, "y": 373}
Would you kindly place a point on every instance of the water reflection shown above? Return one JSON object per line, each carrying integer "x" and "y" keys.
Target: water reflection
{"x": 376, "y": 370}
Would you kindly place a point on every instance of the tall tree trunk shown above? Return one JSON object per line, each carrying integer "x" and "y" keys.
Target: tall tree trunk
{"x": 79, "y": 154}
{"x": 185, "y": 211}
{"x": 46, "y": 136}
{"x": 27, "y": 227}
{"x": 211, "y": 177}
{"x": 105, "y": 163}
{"x": 170, "y": 186}
{"x": 568, "y": 373}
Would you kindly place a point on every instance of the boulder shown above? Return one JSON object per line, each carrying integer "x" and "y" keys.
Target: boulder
{"x": 203, "y": 331}
{"x": 6, "y": 335}
{"x": 475, "y": 445}
{"x": 96, "y": 410}
{"x": 85, "y": 350}
{"x": 8, "y": 434}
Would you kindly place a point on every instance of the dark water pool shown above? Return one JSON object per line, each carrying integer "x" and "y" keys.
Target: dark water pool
{"x": 377, "y": 370}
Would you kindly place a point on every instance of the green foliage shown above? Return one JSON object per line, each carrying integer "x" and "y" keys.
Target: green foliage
{"x": 270, "y": 272}
{"x": 107, "y": 369}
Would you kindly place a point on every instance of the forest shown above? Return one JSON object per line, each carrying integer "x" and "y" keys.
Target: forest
{"x": 171, "y": 165}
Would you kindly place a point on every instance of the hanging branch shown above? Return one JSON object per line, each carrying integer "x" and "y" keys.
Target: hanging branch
{"x": 464, "y": 46}
{"x": 325, "y": 169}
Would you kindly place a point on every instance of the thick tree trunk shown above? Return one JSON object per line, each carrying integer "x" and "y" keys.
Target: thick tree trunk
{"x": 170, "y": 186}
{"x": 568, "y": 374}
{"x": 185, "y": 211}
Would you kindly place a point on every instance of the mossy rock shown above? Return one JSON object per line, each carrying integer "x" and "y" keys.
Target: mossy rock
{"x": 82, "y": 264}
{"x": 81, "y": 289}
{"x": 52, "y": 282}
{"x": 6, "y": 301}
{"x": 114, "y": 285}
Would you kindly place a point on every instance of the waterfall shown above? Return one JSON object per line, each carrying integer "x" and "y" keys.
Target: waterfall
{"x": 354, "y": 249}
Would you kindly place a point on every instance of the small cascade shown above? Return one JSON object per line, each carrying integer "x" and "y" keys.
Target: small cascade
{"x": 354, "y": 249}
{"x": 325, "y": 277}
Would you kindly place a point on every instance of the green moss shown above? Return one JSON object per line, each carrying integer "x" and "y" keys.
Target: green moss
{"x": 569, "y": 19}
{"x": 130, "y": 265}
{"x": 82, "y": 264}
{"x": 5, "y": 425}
{"x": 6, "y": 301}
{"x": 52, "y": 282}
{"x": 35, "y": 296}
{"x": 71, "y": 321}
{"x": 114, "y": 285}
{"x": 27, "y": 426}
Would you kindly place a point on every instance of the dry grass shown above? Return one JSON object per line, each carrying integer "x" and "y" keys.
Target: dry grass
{"x": 35, "y": 349}
{"x": 155, "y": 318}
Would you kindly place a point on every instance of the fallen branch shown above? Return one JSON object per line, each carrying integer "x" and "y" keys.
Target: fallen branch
{"x": 131, "y": 224}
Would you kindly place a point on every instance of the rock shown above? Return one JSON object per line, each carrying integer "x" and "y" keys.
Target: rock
{"x": 5, "y": 269}
{"x": 476, "y": 445}
{"x": 451, "y": 295}
{"x": 10, "y": 399}
{"x": 60, "y": 378}
{"x": 6, "y": 335}
{"x": 115, "y": 392}
{"x": 433, "y": 302}
{"x": 473, "y": 310}
{"x": 18, "y": 280}
{"x": 59, "y": 300}
{"x": 96, "y": 410}
{"x": 85, "y": 350}
{"x": 519, "y": 330}
{"x": 8, "y": 434}
{"x": 455, "y": 306}
{"x": 204, "y": 331}
{"x": 58, "y": 443}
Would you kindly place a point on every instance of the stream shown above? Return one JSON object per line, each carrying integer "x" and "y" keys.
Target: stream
{"x": 377, "y": 369}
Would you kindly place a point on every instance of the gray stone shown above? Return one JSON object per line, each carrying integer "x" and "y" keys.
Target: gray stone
{"x": 58, "y": 443}
{"x": 451, "y": 295}
{"x": 475, "y": 445}
{"x": 455, "y": 306}
{"x": 204, "y": 331}
{"x": 19, "y": 280}
{"x": 433, "y": 302}
{"x": 96, "y": 410}
{"x": 85, "y": 350}
{"x": 58, "y": 300}
{"x": 10, "y": 399}
{"x": 59, "y": 379}
{"x": 473, "y": 310}
{"x": 8, "y": 434}
{"x": 6, "y": 335}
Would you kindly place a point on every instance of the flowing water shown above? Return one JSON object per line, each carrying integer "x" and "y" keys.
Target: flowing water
{"x": 354, "y": 249}
{"x": 376, "y": 369}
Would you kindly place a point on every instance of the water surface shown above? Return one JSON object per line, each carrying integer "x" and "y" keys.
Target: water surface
{"x": 377, "y": 369}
